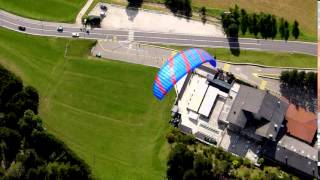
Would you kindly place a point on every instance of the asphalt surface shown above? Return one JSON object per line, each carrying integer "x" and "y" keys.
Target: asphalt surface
{"x": 42, "y": 28}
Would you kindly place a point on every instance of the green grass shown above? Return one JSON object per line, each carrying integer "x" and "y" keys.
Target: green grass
{"x": 104, "y": 110}
{"x": 278, "y": 59}
{"x": 48, "y": 10}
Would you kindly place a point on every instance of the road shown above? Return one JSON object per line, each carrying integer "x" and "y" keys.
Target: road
{"x": 35, "y": 27}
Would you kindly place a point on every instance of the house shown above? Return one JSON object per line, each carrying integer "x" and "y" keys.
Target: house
{"x": 257, "y": 114}
{"x": 301, "y": 124}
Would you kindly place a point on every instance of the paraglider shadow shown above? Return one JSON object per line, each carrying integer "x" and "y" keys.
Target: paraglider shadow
{"x": 234, "y": 46}
{"x": 132, "y": 8}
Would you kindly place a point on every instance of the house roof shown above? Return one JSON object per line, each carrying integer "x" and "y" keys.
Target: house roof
{"x": 267, "y": 107}
{"x": 294, "y": 153}
{"x": 301, "y": 123}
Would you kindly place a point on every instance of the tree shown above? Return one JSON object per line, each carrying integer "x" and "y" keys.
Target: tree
{"x": 284, "y": 77}
{"x": 311, "y": 80}
{"x": 274, "y": 31}
{"x": 263, "y": 25}
{"x": 282, "y": 28}
{"x": 286, "y": 30}
{"x": 261, "y": 161}
{"x": 179, "y": 7}
{"x": 203, "y": 167}
{"x": 170, "y": 138}
{"x": 9, "y": 144}
{"x": 233, "y": 30}
{"x": 203, "y": 14}
{"x": 244, "y": 21}
{"x": 135, "y": 3}
{"x": 301, "y": 78}
{"x": 295, "y": 29}
{"x": 180, "y": 160}
{"x": 255, "y": 24}
{"x": 293, "y": 77}
{"x": 189, "y": 175}
{"x": 236, "y": 14}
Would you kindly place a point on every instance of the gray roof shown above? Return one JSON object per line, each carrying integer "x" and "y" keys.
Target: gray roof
{"x": 254, "y": 102}
{"x": 293, "y": 153}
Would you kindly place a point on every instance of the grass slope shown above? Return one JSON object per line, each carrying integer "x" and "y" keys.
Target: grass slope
{"x": 48, "y": 10}
{"x": 103, "y": 110}
{"x": 279, "y": 59}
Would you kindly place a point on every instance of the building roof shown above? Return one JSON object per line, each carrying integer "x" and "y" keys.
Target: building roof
{"x": 301, "y": 123}
{"x": 221, "y": 85}
{"x": 208, "y": 101}
{"x": 264, "y": 110}
{"x": 293, "y": 153}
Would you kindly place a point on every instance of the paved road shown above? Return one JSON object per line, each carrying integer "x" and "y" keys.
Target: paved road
{"x": 35, "y": 27}
{"x": 137, "y": 53}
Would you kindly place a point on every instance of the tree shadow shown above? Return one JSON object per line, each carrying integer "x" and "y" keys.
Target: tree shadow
{"x": 234, "y": 46}
{"x": 132, "y": 8}
{"x": 180, "y": 8}
{"x": 306, "y": 98}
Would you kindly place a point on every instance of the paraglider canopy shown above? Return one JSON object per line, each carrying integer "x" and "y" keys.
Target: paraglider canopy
{"x": 177, "y": 66}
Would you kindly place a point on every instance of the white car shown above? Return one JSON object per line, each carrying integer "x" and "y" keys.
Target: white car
{"x": 75, "y": 34}
{"x": 60, "y": 29}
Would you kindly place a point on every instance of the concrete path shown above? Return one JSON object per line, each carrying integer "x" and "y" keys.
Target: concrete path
{"x": 83, "y": 11}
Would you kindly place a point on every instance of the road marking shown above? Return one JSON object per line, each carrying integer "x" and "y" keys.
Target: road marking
{"x": 173, "y": 53}
{"x": 263, "y": 84}
{"x": 226, "y": 67}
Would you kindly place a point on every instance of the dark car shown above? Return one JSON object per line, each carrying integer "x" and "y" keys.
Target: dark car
{"x": 103, "y": 7}
{"x": 22, "y": 28}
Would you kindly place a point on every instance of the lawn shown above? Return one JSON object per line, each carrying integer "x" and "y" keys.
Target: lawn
{"x": 279, "y": 59}
{"x": 103, "y": 110}
{"x": 304, "y": 11}
{"x": 48, "y": 10}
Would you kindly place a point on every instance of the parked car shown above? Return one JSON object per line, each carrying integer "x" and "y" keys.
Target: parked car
{"x": 75, "y": 34}
{"x": 102, "y": 14}
{"x": 21, "y": 28}
{"x": 60, "y": 29}
{"x": 103, "y": 7}
{"x": 98, "y": 55}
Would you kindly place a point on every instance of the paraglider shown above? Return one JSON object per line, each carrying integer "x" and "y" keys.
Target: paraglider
{"x": 176, "y": 67}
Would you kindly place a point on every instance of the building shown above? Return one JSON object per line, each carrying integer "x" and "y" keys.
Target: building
{"x": 257, "y": 114}
{"x": 301, "y": 124}
{"x": 245, "y": 121}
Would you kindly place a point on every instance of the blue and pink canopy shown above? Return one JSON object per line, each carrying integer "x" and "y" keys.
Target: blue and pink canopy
{"x": 177, "y": 66}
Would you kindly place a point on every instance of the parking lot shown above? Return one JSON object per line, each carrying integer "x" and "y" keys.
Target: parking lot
{"x": 144, "y": 20}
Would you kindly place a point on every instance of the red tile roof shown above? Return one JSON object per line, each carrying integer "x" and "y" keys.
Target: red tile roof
{"x": 301, "y": 123}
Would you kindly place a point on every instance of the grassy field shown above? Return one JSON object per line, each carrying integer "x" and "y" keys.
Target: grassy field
{"x": 305, "y": 11}
{"x": 48, "y": 10}
{"x": 104, "y": 110}
{"x": 261, "y": 57}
